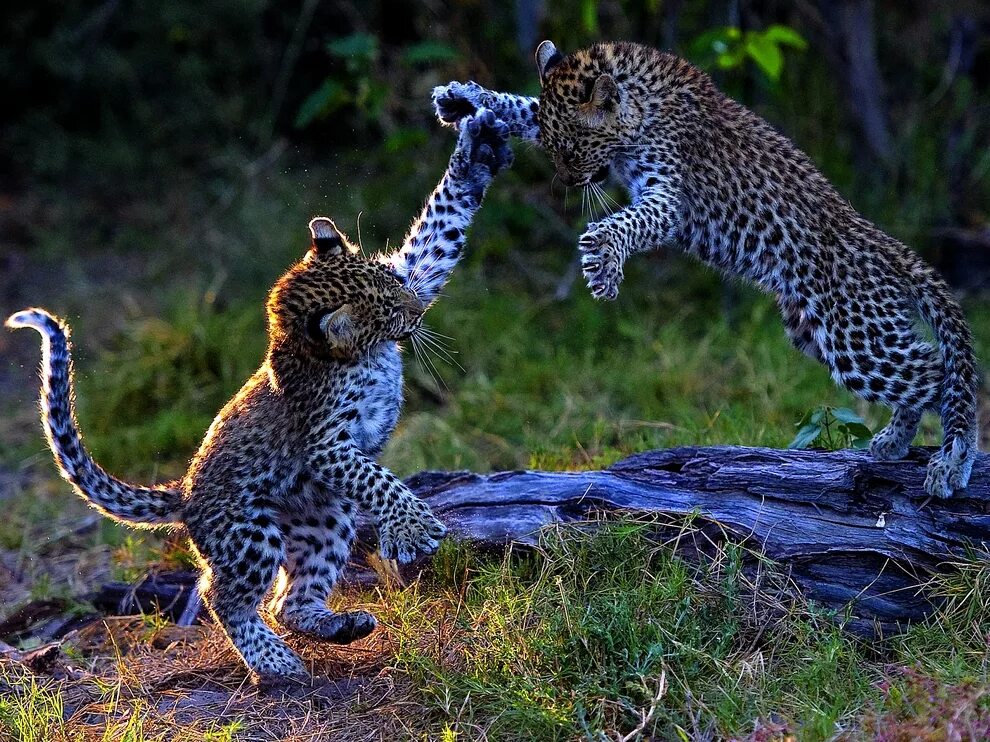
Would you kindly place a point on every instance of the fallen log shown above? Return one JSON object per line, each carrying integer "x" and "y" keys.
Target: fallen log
{"x": 855, "y": 534}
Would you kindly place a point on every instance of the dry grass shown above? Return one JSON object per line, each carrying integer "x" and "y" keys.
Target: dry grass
{"x": 121, "y": 679}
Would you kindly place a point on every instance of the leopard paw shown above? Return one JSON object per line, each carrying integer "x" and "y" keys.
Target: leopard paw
{"x": 457, "y": 100}
{"x": 601, "y": 263}
{"x": 336, "y": 628}
{"x": 889, "y": 445}
{"x": 488, "y": 143}
{"x": 482, "y": 152}
{"x": 949, "y": 469}
{"x": 415, "y": 530}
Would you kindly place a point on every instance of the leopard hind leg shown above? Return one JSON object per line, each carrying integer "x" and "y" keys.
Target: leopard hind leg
{"x": 318, "y": 543}
{"x": 241, "y": 547}
{"x": 874, "y": 351}
{"x": 892, "y": 442}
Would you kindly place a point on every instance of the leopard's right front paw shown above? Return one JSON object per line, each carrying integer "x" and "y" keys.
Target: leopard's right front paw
{"x": 457, "y": 100}
{"x": 412, "y": 529}
{"x": 949, "y": 468}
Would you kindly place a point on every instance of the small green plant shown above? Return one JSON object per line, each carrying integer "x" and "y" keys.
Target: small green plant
{"x": 223, "y": 732}
{"x": 153, "y": 623}
{"x": 729, "y": 48}
{"x": 130, "y": 561}
{"x": 355, "y": 86}
{"x": 832, "y": 428}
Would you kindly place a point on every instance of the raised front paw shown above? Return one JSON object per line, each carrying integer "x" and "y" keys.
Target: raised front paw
{"x": 484, "y": 140}
{"x": 457, "y": 100}
{"x": 601, "y": 262}
{"x": 410, "y": 529}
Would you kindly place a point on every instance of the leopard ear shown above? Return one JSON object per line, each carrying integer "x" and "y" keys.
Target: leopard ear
{"x": 604, "y": 100}
{"x": 547, "y": 57}
{"x": 327, "y": 239}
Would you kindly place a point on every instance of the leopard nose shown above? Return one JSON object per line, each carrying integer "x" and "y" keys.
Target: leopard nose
{"x": 565, "y": 177}
{"x": 413, "y": 304}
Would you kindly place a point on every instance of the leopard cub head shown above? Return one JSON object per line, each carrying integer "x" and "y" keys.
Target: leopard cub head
{"x": 336, "y": 304}
{"x": 584, "y": 114}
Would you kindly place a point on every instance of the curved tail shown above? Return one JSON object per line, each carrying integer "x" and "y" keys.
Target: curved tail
{"x": 131, "y": 504}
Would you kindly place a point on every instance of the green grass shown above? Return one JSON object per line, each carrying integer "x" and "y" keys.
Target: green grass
{"x": 610, "y": 633}
{"x": 34, "y": 714}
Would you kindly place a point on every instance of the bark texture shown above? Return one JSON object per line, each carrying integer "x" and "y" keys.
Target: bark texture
{"x": 851, "y": 530}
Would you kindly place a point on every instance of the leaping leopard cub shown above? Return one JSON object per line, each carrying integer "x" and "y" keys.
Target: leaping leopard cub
{"x": 277, "y": 479}
{"x": 709, "y": 176}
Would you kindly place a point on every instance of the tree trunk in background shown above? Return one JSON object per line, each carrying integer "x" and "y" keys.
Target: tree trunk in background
{"x": 671, "y": 23}
{"x": 964, "y": 39}
{"x": 852, "y": 45}
{"x": 962, "y": 242}
{"x": 529, "y": 17}
{"x": 851, "y": 531}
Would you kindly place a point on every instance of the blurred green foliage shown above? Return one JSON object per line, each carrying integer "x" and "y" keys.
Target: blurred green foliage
{"x": 182, "y": 147}
{"x": 729, "y": 48}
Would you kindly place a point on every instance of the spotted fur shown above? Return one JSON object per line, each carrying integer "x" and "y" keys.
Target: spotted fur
{"x": 272, "y": 494}
{"x": 710, "y": 177}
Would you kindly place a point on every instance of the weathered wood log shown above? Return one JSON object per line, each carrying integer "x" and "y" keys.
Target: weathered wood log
{"x": 853, "y": 532}
{"x": 172, "y": 594}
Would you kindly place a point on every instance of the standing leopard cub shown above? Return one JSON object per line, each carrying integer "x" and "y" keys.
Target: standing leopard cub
{"x": 276, "y": 483}
{"x": 710, "y": 177}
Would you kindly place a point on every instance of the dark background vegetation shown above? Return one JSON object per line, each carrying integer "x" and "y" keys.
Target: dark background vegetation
{"x": 159, "y": 162}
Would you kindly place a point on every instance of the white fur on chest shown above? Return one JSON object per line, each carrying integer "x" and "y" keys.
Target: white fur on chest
{"x": 378, "y": 383}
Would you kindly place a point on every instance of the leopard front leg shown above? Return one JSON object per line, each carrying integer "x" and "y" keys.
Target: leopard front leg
{"x": 406, "y": 525}
{"x": 436, "y": 240}
{"x": 646, "y": 224}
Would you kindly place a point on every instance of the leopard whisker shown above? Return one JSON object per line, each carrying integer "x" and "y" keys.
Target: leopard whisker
{"x": 610, "y": 199}
{"x": 608, "y": 203}
{"x": 441, "y": 346}
{"x": 360, "y": 243}
{"x": 423, "y": 358}
{"x": 436, "y": 334}
{"x": 436, "y": 371}
{"x": 441, "y": 351}
{"x": 593, "y": 190}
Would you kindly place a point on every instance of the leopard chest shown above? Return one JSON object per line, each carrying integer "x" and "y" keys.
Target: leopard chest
{"x": 376, "y": 383}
